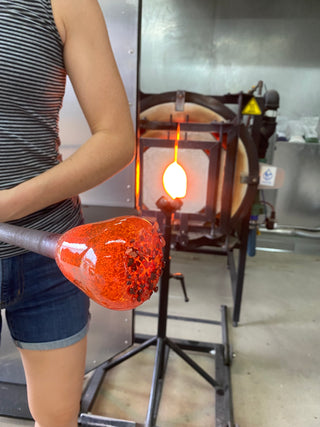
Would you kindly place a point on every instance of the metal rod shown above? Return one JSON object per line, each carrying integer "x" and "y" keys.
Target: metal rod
{"x": 195, "y": 366}
{"x": 173, "y": 317}
{"x": 241, "y": 269}
{"x": 225, "y": 335}
{"x": 160, "y": 364}
{"x": 165, "y": 278}
{"x": 90, "y": 420}
{"x": 41, "y": 242}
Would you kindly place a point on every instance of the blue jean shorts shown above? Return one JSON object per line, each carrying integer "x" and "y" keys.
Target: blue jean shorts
{"x": 43, "y": 309}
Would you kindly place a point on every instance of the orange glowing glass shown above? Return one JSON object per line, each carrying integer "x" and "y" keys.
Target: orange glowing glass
{"x": 174, "y": 178}
{"x": 116, "y": 262}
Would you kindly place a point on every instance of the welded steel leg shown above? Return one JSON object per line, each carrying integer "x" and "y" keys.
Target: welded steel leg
{"x": 160, "y": 365}
{"x": 225, "y": 335}
{"x": 238, "y": 290}
{"x": 162, "y": 351}
{"x": 180, "y": 277}
{"x": 224, "y": 406}
{"x": 237, "y": 273}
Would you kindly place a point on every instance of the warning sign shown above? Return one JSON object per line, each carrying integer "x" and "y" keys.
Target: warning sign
{"x": 252, "y": 108}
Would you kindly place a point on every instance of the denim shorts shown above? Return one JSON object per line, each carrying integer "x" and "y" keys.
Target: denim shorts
{"x": 43, "y": 309}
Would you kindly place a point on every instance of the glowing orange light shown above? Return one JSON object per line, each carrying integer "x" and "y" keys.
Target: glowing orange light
{"x": 116, "y": 262}
{"x": 137, "y": 191}
{"x": 174, "y": 178}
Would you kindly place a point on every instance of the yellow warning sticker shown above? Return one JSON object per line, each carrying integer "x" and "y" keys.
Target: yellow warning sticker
{"x": 252, "y": 108}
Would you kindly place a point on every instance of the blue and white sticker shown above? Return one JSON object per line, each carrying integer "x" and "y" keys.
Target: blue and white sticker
{"x": 267, "y": 175}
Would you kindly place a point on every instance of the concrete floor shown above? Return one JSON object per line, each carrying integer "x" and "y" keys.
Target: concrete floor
{"x": 275, "y": 372}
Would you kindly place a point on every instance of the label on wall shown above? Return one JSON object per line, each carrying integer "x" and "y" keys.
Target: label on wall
{"x": 267, "y": 175}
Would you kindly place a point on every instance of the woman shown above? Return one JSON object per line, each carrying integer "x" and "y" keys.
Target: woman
{"x": 42, "y": 41}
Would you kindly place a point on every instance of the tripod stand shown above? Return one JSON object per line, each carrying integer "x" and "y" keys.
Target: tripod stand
{"x": 221, "y": 384}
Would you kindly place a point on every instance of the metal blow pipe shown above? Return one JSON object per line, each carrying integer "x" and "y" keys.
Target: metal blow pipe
{"x": 40, "y": 242}
{"x": 116, "y": 262}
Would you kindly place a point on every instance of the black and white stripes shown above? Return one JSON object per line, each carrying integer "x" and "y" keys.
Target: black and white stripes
{"x": 32, "y": 84}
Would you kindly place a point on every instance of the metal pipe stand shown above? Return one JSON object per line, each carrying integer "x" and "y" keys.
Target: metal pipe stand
{"x": 221, "y": 353}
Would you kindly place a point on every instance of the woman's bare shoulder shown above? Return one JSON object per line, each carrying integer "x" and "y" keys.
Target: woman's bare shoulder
{"x": 69, "y": 13}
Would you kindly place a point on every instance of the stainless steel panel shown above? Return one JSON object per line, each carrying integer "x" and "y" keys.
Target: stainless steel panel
{"x": 122, "y": 21}
{"x": 218, "y": 46}
{"x": 298, "y": 201}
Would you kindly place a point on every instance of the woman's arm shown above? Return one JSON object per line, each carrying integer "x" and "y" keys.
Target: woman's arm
{"x": 95, "y": 78}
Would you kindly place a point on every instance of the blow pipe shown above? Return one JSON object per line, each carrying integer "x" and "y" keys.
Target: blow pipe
{"x": 116, "y": 262}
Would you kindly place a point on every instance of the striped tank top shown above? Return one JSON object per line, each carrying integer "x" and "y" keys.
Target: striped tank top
{"x": 32, "y": 85}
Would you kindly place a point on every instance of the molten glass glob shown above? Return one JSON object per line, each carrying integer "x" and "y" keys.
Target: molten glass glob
{"x": 117, "y": 262}
{"x": 174, "y": 181}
